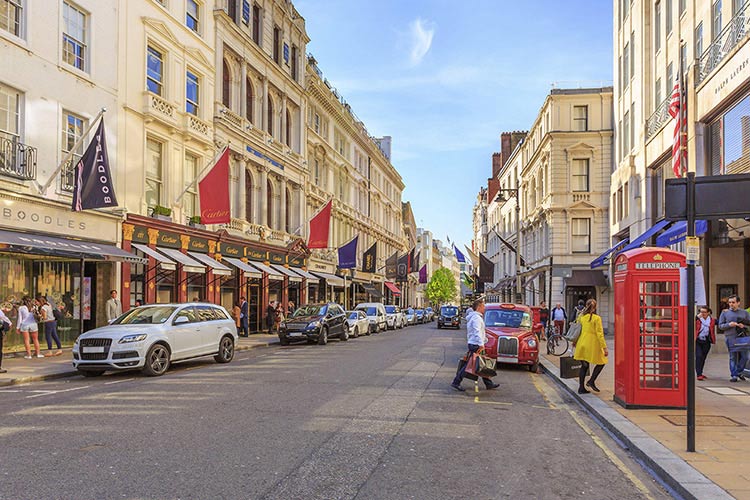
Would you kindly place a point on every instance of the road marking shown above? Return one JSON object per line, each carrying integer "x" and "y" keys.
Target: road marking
{"x": 118, "y": 381}
{"x": 47, "y": 393}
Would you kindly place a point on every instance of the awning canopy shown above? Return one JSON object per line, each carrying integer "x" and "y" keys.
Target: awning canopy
{"x": 640, "y": 240}
{"x": 393, "y": 288}
{"x": 291, "y": 275}
{"x": 678, "y": 233}
{"x": 164, "y": 262}
{"x": 331, "y": 279}
{"x": 311, "y": 278}
{"x": 371, "y": 290}
{"x": 586, "y": 277}
{"x": 189, "y": 265}
{"x": 599, "y": 261}
{"x": 250, "y": 271}
{"x": 216, "y": 267}
{"x": 272, "y": 273}
{"x": 14, "y": 241}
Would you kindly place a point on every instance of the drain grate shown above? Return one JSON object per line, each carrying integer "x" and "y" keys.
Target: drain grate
{"x": 703, "y": 421}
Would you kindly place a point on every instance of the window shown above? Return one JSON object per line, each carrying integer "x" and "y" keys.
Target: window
{"x": 10, "y": 107}
{"x": 11, "y": 12}
{"x": 190, "y": 205}
{"x": 632, "y": 125}
{"x": 249, "y": 100}
{"x": 699, "y": 40}
{"x": 626, "y": 133}
{"x": 192, "y": 15}
{"x": 668, "y": 13}
{"x": 657, "y": 192}
{"x": 580, "y": 118}
{"x": 256, "y": 24}
{"x": 154, "y": 163}
{"x": 657, "y": 26}
{"x": 316, "y": 122}
{"x": 245, "y": 12}
{"x": 232, "y": 9}
{"x": 625, "y": 5}
{"x": 269, "y": 124}
{"x": 619, "y": 74}
{"x": 581, "y": 241}
{"x": 154, "y": 71}
{"x": 625, "y": 201}
{"x": 277, "y": 44}
{"x": 74, "y": 37}
{"x": 626, "y": 65}
{"x": 715, "y": 20}
{"x": 670, "y": 75}
{"x": 192, "y": 93}
{"x": 294, "y": 63}
{"x": 72, "y": 130}
{"x": 683, "y": 7}
{"x": 580, "y": 181}
{"x": 737, "y": 6}
{"x": 683, "y": 57}
{"x": 316, "y": 172}
{"x": 632, "y": 54}
{"x": 288, "y": 131}
{"x": 657, "y": 93}
{"x": 226, "y": 84}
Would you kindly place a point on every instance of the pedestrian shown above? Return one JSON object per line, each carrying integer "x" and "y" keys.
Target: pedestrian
{"x": 543, "y": 318}
{"x": 278, "y": 317}
{"x": 138, "y": 302}
{"x": 50, "y": 326}
{"x": 733, "y": 322}
{"x": 270, "y": 316}
{"x": 558, "y": 318}
{"x": 114, "y": 307}
{"x": 5, "y": 325}
{"x": 244, "y": 317}
{"x": 578, "y": 309}
{"x": 28, "y": 326}
{"x": 591, "y": 348}
{"x": 476, "y": 338}
{"x": 705, "y": 335}
{"x": 290, "y": 308}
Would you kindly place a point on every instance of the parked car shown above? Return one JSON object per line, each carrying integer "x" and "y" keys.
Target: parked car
{"x": 411, "y": 316}
{"x": 429, "y": 314}
{"x": 358, "y": 322}
{"x": 315, "y": 323}
{"x": 511, "y": 335}
{"x": 449, "y": 317}
{"x": 394, "y": 317}
{"x": 420, "y": 315}
{"x": 375, "y": 312}
{"x": 153, "y": 337}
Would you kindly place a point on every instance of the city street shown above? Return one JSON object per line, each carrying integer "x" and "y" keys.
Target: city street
{"x": 373, "y": 417}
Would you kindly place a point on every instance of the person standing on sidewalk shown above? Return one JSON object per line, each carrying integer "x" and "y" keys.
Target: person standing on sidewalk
{"x": 244, "y": 317}
{"x": 114, "y": 307}
{"x": 705, "y": 335}
{"x": 28, "y": 326}
{"x": 50, "y": 326}
{"x": 591, "y": 348}
{"x": 559, "y": 317}
{"x": 543, "y": 319}
{"x": 476, "y": 338}
{"x": 5, "y": 324}
{"x": 733, "y": 323}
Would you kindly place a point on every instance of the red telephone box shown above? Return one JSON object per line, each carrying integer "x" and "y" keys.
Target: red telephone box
{"x": 650, "y": 356}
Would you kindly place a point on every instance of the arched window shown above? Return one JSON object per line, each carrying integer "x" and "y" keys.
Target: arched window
{"x": 270, "y": 116}
{"x": 269, "y": 204}
{"x": 226, "y": 77}
{"x": 248, "y": 198}
{"x": 288, "y": 222}
{"x": 249, "y": 98}
{"x": 288, "y": 130}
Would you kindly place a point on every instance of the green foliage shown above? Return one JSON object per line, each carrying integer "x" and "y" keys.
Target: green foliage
{"x": 442, "y": 287}
{"x": 159, "y": 210}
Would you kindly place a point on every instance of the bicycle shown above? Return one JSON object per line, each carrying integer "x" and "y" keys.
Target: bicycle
{"x": 557, "y": 343}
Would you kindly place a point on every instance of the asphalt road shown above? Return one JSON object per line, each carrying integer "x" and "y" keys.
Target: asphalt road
{"x": 373, "y": 417}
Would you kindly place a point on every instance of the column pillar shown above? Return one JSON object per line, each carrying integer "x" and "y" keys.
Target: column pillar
{"x": 282, "y": 222}
{"x": 242, "y": 190}
{"x": 263, "y": 198}
{"x": 127, "y": 236}
{"x": 150, "y": 292}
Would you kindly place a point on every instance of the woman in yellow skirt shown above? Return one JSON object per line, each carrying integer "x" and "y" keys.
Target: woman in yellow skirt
{"x": 591, "y": 349}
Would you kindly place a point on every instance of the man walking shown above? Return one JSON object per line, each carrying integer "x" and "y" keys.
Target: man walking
{"x": 543, "y": 319}
{"x": 244, "y": 330}
{"x": 476, "y": 338}
{"x": 114, "y": 307}
{"x": 270, "y": 316}
{"x": 705, "y": 335}
{"x": 558, "y": 318}
{"x": 5, "y": 325}
{"x": 733, "y": 322}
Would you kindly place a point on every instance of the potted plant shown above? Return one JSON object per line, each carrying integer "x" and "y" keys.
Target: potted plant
{"x": 195, "y": 221}
{"x": 161, "y": 213}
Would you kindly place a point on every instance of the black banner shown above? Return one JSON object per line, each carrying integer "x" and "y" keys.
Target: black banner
{"x": 410, "y": 262}
{"x": 92, "y": 186}
{"x": 391, "y": 267}
{"x": 403, "y": 267}
{"x": 486, "y": 269}
{"x": 370, "y": 259}
{"x": 415, "y": 263}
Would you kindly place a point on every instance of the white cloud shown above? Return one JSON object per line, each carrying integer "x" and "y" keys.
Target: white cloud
{"x": 421, "y": 40}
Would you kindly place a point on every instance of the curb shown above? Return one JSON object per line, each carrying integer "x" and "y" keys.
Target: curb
{"x": 676, "y": 473}
{"x": 72, "y": 373}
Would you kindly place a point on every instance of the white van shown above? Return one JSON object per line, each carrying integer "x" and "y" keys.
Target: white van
{"x": 375, "y": 312}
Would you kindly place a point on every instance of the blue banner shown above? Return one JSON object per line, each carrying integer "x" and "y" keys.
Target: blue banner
{"x": 348, "y": 255}
{"x": 459, "y": 256}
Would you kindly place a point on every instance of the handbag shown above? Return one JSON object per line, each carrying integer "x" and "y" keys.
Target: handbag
{"x": 481, "y": 366}
{"x": 574, "y": 331}
{"x": 740, "y": 344}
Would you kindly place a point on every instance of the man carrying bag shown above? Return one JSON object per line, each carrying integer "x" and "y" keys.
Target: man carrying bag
{"x": 476, "y": 338}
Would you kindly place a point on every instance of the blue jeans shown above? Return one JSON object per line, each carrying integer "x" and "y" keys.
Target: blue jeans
{"x": 461, "y": 372}
{"x": 737, "y": 362}
{"x": 50, "y": 332}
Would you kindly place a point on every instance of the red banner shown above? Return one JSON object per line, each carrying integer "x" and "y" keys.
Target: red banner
{"x": 214, "y": 192}
{"x": 319, "y": 228}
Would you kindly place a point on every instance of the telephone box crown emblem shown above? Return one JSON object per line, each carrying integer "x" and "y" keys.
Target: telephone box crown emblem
{"x": 658, "y": 257}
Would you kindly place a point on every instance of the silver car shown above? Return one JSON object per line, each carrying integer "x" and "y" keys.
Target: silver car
{"x": 395, "y": 317}
{"x": 359, "y": 323}
{"x": 154, "y": 336}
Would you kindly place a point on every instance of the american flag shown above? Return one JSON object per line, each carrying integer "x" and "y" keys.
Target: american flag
{"x": 677, "y": 112}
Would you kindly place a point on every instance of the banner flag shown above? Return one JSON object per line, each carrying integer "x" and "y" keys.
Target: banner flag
{"x": 403, "y": 267}
{"x": 92, "y": 185}
{"x": 459, "y": 256}
{"x": 486, "y": 269}
{"x": 370, "y": 259}
{"x": 348, "y": 254}
{"x": 213, "y": 191}
{"x": 423, "y": 274}
{"x": 391, "y": 266}
{"x": 320, "y": 226}
{"x": 410, "y": 269}
{"x": 415, "y": 265}
{"x": 472, "y": 256}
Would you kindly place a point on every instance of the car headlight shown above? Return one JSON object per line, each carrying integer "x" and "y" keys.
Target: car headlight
{"x": 531, "y": 342}
{"x": 313, "y": 325}
{"x": 132, "y": 338}
{"x": 75, "y": 344}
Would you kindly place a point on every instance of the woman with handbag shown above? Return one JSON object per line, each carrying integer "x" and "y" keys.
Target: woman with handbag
{"x": 591, "y": 348}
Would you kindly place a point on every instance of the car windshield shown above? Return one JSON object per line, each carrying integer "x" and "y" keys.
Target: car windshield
{"x": 152, "y": 315}
{"x": 449, "y": 311}
{"x": 390, "y": 309}
{"x": 312, "y": 310}
{"x": 370, "y": 311}
{"x": 410, "y": 311}
{"x": 511, "y": 318}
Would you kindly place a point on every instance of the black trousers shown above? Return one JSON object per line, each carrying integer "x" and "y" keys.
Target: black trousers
{"x": 2, "y": 336}
{"x": 702, "y": 347}
{"x": 461, "y": 371}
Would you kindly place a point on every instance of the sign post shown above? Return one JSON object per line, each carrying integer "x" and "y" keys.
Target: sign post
{"x": 690, "y": 201}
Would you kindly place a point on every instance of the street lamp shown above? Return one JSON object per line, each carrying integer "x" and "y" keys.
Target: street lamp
{"x": 501, "y": 198}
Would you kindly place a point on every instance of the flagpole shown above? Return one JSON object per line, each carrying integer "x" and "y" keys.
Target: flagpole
{"x": 43, "y": 188}
{"x": 209, "y": 165}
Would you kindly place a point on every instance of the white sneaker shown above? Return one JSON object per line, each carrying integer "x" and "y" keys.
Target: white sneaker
{"x": 40, "y": 355}
{"x": 27, "y": 357}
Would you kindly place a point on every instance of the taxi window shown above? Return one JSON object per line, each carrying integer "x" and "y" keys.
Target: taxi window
{"x": 507, "y": 318}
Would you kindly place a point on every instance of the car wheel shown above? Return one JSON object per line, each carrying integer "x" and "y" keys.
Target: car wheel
{"x": 345, "y": 333}
{"x": 283, "y": 340}
{"x": 226, "y": 350}
{"x": 534, "y": 368}
{"x": 439, "y": 327}
{"x": 355, "y": 333}
{"x": 157, "y": 360}
{"x": 91, "y": 373}
{"x": 323, "y": 336}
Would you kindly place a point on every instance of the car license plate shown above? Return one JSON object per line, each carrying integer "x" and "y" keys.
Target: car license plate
{"x": 92, "y": 349}
{"x": 294, "y": 334}
{"x": 507, "y": 359}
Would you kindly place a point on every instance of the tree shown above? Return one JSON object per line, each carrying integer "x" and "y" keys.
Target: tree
{"x": 442, "y": 287}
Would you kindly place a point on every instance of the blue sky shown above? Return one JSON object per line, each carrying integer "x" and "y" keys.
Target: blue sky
{"x": 445, "y": 78}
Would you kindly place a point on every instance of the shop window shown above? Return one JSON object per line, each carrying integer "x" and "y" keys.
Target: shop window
{"x": 154, "y": 169}
{"x": 72, "y": 130}
{"x": 74, "y": 37}
{"x": 735, "y": 142}
{"x": 11, "y": 16}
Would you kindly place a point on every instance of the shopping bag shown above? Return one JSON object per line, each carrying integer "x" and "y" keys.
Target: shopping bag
{"x": 574, "y": 331}
{"x": 480, "y": 366}
{"x": 738, "y": 344}
{"x": 570, "y": 367}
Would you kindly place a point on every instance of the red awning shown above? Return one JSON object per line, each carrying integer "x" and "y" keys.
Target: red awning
{"x": 393, "y": 288}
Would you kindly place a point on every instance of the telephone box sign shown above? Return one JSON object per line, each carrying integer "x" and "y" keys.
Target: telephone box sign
{"x": 657, "y": 265}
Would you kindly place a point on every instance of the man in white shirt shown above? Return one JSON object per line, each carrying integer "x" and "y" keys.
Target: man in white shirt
{"x": 114, "y": 307}
{"x": 476, "y": 338}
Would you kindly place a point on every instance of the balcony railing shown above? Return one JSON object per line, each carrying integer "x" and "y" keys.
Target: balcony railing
{"x": 658, "y": 118}
{"x": 728, "y": 39}
{"x": 16, "y": 158}
{"x": 67, "y": 174}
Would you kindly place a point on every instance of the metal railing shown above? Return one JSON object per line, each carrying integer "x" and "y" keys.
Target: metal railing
{"x": 16, "y": 158}
{"x": 658, "y": 118}
{"x": 67, "y": 174}
{"x": 728, "y": 39}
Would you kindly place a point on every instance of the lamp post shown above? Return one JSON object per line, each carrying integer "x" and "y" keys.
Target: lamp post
{"x": 502, "y": 199}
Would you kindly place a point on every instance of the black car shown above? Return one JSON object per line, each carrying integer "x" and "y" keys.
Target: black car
{"x": 315, "y": 322}
{"x": 449, "y": 316}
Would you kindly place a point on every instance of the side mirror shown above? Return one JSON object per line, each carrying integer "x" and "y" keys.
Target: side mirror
{"x": 181, "y": 320}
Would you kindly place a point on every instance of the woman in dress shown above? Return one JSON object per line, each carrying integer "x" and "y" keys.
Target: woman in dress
{"x": 28, "y": 326}
{"x": 591, "y": 348}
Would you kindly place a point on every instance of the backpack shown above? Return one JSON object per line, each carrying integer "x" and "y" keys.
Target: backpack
{"x": 57, "y": 313}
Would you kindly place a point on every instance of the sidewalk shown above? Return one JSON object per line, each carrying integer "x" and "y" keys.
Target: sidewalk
{"x": 22, "y": 370}
{"x": 718, "y": 468}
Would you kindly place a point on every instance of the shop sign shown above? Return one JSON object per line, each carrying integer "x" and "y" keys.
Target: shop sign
{"x": 297, "y": 261}
{"x": 168, "y": 239}
{"x": 255, "y": 254}
{"x": 276, "y": 258}
{"x": 140, "y": 235}
{"x": 229, "y": 250}
{"x": 198, "y": 245}
{"x": 724, "y": 82}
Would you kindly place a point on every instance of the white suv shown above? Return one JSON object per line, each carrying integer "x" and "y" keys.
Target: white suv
{"x": 394, "y": 317}
{"x": 375, "y": 312}
{"x": 154, "y": 336}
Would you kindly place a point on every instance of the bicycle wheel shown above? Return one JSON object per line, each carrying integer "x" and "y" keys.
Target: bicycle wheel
{"x": 557, "y": 345}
